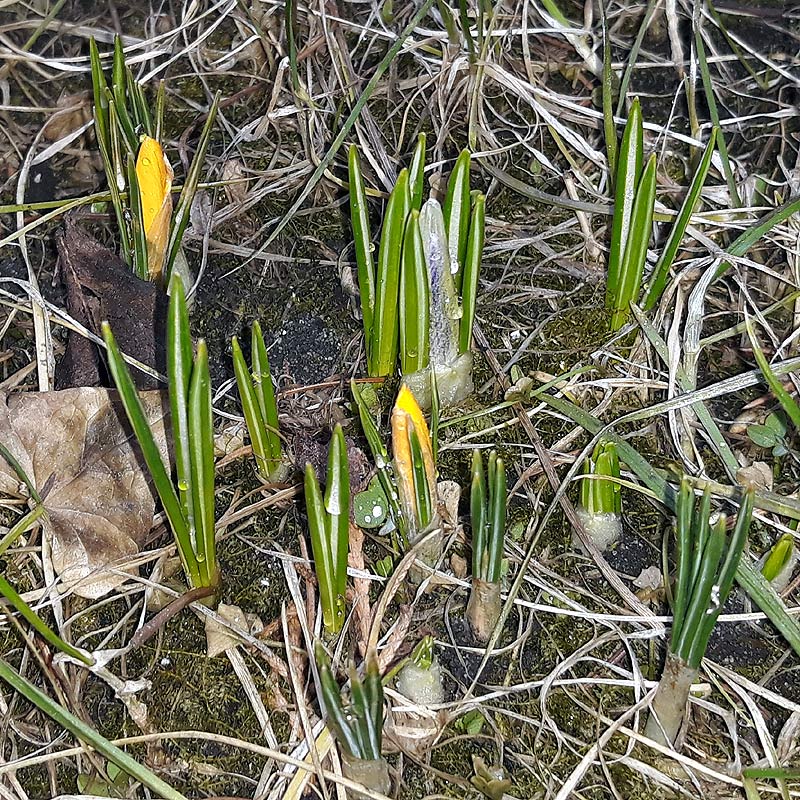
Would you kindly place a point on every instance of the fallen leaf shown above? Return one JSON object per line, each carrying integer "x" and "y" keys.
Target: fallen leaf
{"x": 220, "y": 637}
{"x": 100, "y": 503}
{"x": 757, "y": 476}
{"x": 100, "y": 286}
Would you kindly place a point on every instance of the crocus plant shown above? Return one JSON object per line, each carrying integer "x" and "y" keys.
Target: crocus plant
{"x": 418, "y": 301}
{"x": 357, "y": 726}
{"x": 259, "y": 405}
{"x": 188, "y": 501}
{"x": 488, "y": 512}
{"x": 707, "y": 560}
{"x": 600, "y": 508}
{"x": 329, "y": 526}
{"x": 414, "y": 467}
{"x": 138, "y": 173}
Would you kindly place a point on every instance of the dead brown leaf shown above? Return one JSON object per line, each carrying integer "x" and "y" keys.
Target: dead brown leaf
{"x": 100, "y": 503}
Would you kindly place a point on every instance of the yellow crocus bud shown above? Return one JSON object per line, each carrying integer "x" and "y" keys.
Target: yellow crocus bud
{"x": 416, "y": 480}
{"x": 154, "y": 175}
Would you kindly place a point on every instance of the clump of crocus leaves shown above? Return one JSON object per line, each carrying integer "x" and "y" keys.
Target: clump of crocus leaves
{"x": 188, "y": 501}
{"x": 418, "y": 301}
{"x": 357, "y": 726}
{"x": 488, "y": 512}
{"x": 329, "y": 526}
{"x": 600, "y": 507}
{"x": 259, "y": 405}
{"x": 707, "y": 560}
{"x": 138, "y": 173}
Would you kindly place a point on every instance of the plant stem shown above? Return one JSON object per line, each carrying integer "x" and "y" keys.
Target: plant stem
{"x": 484, "y": 608}
{"x": 669, "y": 703}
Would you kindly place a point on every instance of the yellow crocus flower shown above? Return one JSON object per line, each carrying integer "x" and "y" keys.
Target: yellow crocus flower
{"x": 154, "y": 175}
{"x": 407, "y": 417}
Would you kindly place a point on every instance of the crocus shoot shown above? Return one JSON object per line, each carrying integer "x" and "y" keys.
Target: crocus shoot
{"x": 418, "y": 300}
{"x": 488, "y": 511}
{"x": 329, "y": 526}
{"x": 357, "y": 726}
{"x": 779, "y": 564}
{"x": 414, "y": 468}
{"x": 138, "y": 173}
{"x": 258, "y": 404}
{"x": 600, "y": 507}
{"x": 190, "y": 509}
{"x": 706, "y": 565}
{"x": 632, "y": 226}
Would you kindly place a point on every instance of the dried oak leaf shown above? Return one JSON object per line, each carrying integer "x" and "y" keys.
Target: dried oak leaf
{"x": 99, "y": 501}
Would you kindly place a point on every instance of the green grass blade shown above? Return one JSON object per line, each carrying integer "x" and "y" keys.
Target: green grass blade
{"x": 787, "y": 402}
{"x": 152, "y": 456}
{"x": 20, "y": 472}
{"x": 609, "y": 128}
{"x": 449, "y": 20}
{"x": 265, "y": 394}
{"x": 416, "y": 176}
{"x": 141, "y": 110}
{"x": 702, "y": 618}
{"x": 497, "y": 518}
{"x": 362, "y": 236}
{"x": 158, "y": 122}
{"x": 337, "y": 505}
{"x": 201, "y": 451}
{"x": 39, "y": 625}
{"x": 422, "y": 498}
{"x": 456, "y": 213}
{"x": 360, "y": 708}
{"x": 324, "y": 566}
{"x": 87, "y": 734}
{"x": 99, "y": 87}
{"x": 629, "y": 170}
{"x": 700, "y": 598}
{"x": 251, "y": 410}
{"x": 725, "y": 579}
{"x": 414, "y": 305}
{"x": 180, "y": 218}
{"x": 700, "y": 532}
{"x": 472, "y": 268}
{"x": 120, "y": 90}
{"x": 658, "y": 280}
{"x": 708, "y": 89}
{"x": 179, "y": 372}
{"x": 331, "y": 703}
{"x": 463, "y": 15}
{"x": 635, "y": 255}
{"x": 138, "y": 237}
{"x": 385, "y": 332}
{"x": 478, "y": 513}
{"x": 779, "y": 556}
{"x": 683, "y": 533}
{"x": 22, "y": 525}
{"x": 761, "y": 591}
{"x": 117, "y": 183}
{"x": 118, "y": 74}
{"x": 373, "y": 687}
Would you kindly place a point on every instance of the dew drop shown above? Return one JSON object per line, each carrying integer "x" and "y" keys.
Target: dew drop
{"x": 183, "y": 486}
{"x": 145, "y": 162}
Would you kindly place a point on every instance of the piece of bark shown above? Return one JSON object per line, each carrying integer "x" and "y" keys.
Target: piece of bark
{"x": 100, "y": 286}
